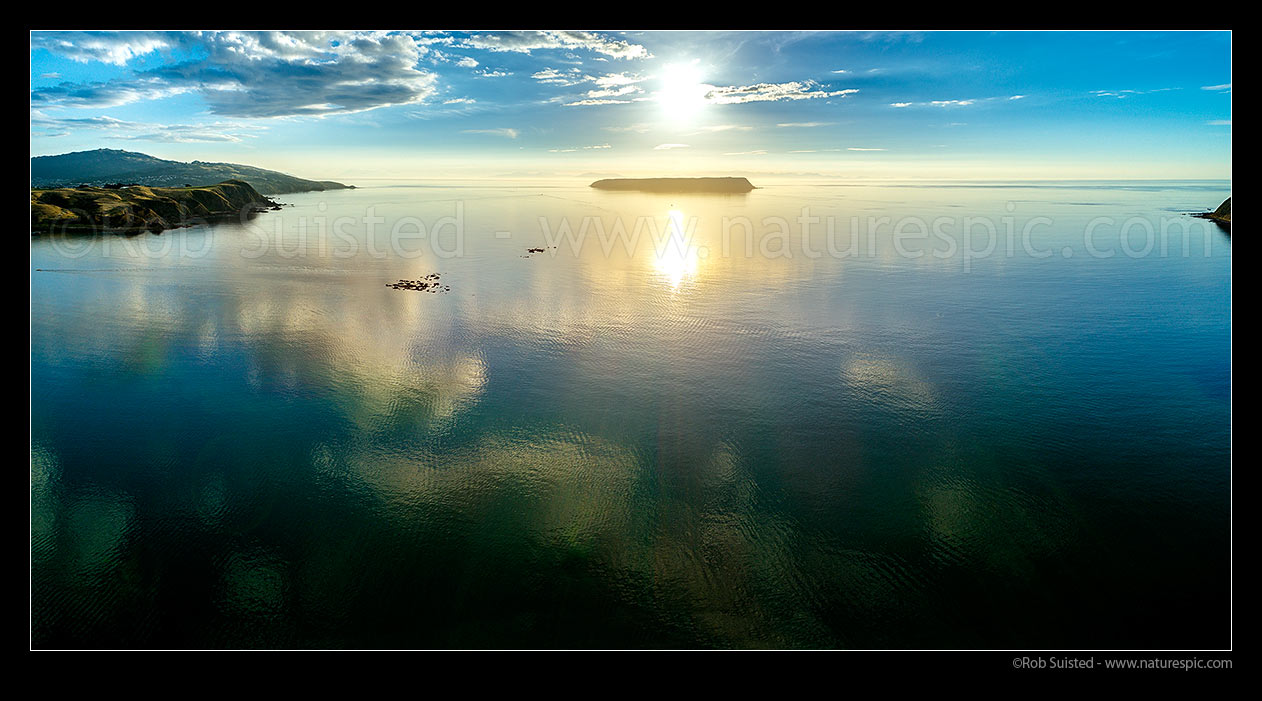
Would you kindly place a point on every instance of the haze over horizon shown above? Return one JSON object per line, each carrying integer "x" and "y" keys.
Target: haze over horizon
{"x": 428, "y": 104}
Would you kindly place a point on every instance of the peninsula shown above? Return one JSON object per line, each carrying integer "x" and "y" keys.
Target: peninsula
{"x": 106, "y": 166}
{"x": 725, "y": 185}
{"x": 1220, "y": 216}
{"x": 138, "y": 208}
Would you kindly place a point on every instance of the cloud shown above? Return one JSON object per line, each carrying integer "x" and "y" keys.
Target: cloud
{"x": 771, "y": 92}
{"x": 669, "y": 147}
{"x": 116, "y": 48}
{"x": 633, "y": 128}
{"x": 510, "y": 133}
{"x": 118, "y": 129}
{"x": 589, "y": 102}
{"x": 460, "y": 101}
{"x": 581, "y": 148}
{"x": 467, "y": 62}
{"x": 261, "y": 74}
{"x": 759, "y": 152}
{"x": 724, "y": 127}
{"x": 610, "y": 80}
{"x": 528, "y": 41}
{"x": 110, "y": 94}
{"x": 614, "y": 92}
{"x": 1121, "y": 94}
{"x": 856, "y": 148}
{"x": 1219, "y": 122}
{"x": 555, "y": 77}
{"x": 1225, "y": 87}
{"x": 802, "y": 125}
{"x": 956, "y": 103}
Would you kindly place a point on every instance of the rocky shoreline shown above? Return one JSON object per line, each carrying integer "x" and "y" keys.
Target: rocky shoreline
{"x": 1220, "y": 216}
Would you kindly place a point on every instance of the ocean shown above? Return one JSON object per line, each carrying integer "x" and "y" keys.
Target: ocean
{"x": 818, "y": 415}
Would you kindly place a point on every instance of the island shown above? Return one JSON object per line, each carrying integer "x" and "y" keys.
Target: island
{"x": 136, "y": 208}
{"x": 724, "y": 185}
{"x": 1220, "y": 216}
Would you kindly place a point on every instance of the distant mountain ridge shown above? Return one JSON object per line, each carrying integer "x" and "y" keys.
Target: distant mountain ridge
{"x": 104, "y": 166}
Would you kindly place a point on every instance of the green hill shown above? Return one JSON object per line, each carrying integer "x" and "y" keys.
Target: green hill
{"x": 139, "y": 208}
{"x": 111, "y": 166}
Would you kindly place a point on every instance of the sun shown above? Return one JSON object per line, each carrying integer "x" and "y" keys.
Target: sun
{"x": 682, "y": 92}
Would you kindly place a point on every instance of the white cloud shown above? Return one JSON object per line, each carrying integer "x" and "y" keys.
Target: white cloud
{"x": 1219, "y": 122}
{"x": 669, "y": 147}
{"x": 211, "y": 132}
{"x": 802, "y": 125}
{"x": 724, "y": 127}
{"x": 1121, "y": 94}
{"x": 527, "y": 41}
{"x": 771, "y": 92}
{"x": 590, "y": 102}
{"x": 467, "y": 62}
{"x": 634, "y": 128}
{"x": 460, "y": 101}
{"x": 116, "y": 48}
{"x": 553, "y": 76}
{"x": 583, "y": 148}
{"x": 614, "y": 92}
{"x": 1225, "y": 87}
{"x": 510, "y": 133}
{"x": 759, "y": 152}
{"x": 856, "y": 148}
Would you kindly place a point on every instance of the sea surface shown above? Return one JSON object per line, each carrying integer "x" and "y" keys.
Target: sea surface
{"x": 737, "y": 431}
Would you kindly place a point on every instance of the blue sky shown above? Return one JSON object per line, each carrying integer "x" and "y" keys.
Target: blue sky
{"x": 428, "y": 104}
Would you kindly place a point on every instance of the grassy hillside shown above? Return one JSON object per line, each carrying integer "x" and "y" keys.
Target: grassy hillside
{"x": 106, "y": 166}
{"x": 139, "y": 208}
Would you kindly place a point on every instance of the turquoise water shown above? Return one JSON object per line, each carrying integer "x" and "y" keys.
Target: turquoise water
{"x": 241, "y": 437}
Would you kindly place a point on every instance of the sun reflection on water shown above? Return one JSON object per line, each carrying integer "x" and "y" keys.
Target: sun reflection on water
{"x": 675, "y": 258}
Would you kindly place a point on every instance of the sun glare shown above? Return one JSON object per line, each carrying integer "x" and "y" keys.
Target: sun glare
{"x": 682, "y": 91}
{"x": 676, "y": 258}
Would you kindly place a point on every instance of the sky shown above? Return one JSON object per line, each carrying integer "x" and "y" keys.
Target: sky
{"x": 434, "y": 104}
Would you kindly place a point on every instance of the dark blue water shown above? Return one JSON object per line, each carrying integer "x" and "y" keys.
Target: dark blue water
{"x": 241, "y": 437}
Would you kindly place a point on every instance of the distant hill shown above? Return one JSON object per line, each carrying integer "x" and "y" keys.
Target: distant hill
{"x": 111, "y": 166}
{"x": 139, "y": 208}
{"x": 673, "y": 185}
